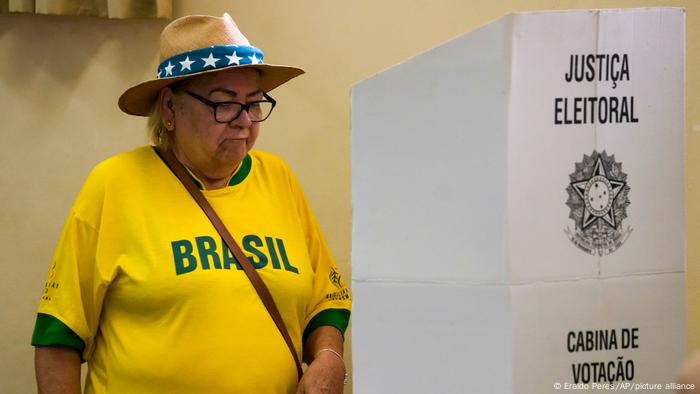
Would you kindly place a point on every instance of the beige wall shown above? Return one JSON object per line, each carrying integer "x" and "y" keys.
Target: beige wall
{"x": 60, "y": 77}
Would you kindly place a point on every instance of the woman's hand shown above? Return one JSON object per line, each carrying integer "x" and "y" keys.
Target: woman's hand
{"x": 323, "y": 353}
{"x": 325, "y": 375}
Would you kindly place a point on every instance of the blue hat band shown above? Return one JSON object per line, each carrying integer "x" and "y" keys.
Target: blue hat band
{"x": 209, "y": 58}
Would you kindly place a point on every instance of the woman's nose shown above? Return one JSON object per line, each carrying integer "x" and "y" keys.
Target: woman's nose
{"x": 243, "y": 119}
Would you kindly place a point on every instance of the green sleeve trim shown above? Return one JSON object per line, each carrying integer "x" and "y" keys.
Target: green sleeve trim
{"x": 338, "y": 318}
{"x": 49, "y": 331}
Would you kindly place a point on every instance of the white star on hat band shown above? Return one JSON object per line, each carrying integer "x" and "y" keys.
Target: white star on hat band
{"x": 209, "y": 58}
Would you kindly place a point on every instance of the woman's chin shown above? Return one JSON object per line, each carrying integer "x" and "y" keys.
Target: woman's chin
{"x": 232, "y": 151}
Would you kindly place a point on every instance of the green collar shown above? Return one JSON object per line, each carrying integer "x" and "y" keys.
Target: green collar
{"x": 238, "y": 176}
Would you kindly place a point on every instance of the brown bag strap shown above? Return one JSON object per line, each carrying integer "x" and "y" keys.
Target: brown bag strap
{"x": 179, "y": 170}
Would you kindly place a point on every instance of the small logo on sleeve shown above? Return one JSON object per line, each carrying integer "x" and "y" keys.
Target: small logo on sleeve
{"x": 50, "y": 284}
{"x": 337, "y": 281}
{"x": 335, "y": 278}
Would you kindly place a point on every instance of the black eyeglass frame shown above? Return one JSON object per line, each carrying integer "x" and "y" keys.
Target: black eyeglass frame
{"x": 244, "y": 107}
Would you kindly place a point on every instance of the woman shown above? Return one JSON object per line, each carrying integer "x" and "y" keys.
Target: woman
{"x": 141, "y": 285}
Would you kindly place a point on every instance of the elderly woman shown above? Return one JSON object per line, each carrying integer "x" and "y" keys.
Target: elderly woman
{"x": 143, "y": 288}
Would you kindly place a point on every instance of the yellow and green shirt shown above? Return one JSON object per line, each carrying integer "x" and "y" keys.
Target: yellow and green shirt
{"x": 142, "y": 283}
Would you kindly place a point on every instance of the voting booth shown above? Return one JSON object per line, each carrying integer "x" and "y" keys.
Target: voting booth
{"x": 518, "y": 209}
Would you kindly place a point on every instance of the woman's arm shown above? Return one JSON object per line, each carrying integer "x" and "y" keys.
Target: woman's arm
{"x": 326, "y": 372}
{"x": 57, "y": 370}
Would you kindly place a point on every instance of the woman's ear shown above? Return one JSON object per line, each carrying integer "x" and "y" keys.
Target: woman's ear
{"x": 167, "y": 110}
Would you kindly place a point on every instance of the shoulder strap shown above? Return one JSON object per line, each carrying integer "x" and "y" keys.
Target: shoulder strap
{"x": 179, "y": 170}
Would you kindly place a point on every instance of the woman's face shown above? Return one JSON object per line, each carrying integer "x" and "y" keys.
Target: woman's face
{"x": 205, "y": 143}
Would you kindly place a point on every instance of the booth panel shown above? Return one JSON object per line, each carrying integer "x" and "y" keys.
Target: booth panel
{"x": 544, "y": 144}
{"x": 424, "y": 338}
{"x": 647, "y": 141}
{"x": 429, "y": 164}
{"x": 565, "y": 332}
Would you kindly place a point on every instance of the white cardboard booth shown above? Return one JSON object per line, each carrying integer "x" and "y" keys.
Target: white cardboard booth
{"x": 518, "y": 209}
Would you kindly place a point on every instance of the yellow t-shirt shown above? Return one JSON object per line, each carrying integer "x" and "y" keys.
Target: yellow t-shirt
{"x": 143, "y": 278}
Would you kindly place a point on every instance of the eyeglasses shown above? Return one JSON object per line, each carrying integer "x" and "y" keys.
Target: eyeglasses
{"x": 228, "y": 111}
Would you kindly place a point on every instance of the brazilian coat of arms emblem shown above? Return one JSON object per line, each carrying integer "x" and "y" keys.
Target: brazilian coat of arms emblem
{"x": 598, "y": 201}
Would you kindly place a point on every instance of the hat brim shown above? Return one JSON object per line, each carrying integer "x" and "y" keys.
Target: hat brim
{"x": 139, "y": 99}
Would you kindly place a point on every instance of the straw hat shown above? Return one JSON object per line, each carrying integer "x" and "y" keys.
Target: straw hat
{"x": 198, "y": 44}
